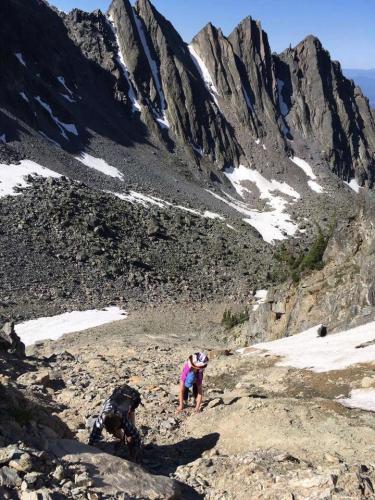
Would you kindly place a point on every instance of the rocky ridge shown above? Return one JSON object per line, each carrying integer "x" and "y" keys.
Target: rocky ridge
{"x": 129, "y": 76}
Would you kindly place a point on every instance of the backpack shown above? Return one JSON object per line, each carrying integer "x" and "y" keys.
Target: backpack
{"x": 125, "y": 398}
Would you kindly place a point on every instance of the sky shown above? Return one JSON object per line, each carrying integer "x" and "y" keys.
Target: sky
{"x": 345, "y": 27}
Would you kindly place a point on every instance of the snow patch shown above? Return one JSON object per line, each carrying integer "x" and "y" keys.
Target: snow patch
{"x": 24, "y": 97}
{"x": 314, "y": 186}
{"x": 61, "y": 79}
{"x": 68, "y": 98}
{"x": 360, "y": 398}
{"x": 121, "y": 61}
{"x": 353, "y": 184}
{"x": 99, "y": 165}
{"x": 12, "y": 176}
{"x": 302, "y": 164}
{"x": 273, "y": 225}
{"x": 257, "y": 141}
{"x": 19, "y": 56}
{"x": 322, "y": 354}
{"x": 54, "y": 327}
{"x": 266, "y": 187}
{"x": 205, "y": 74}
{"x": 63, "y": 127}
{"x": 260, "y": 298}
{"x": 3, "y": 138}
{"x": 162, "y": 118}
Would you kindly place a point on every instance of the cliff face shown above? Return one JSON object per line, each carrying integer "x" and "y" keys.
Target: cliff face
{"x": 326, "y": 108}
{"x": 341, "y": 295}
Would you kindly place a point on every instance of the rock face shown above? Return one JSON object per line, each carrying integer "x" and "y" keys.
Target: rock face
{"x": 326, "y": 108}
{"x": 130, "y": 77}
{"x": 341, "y": 295}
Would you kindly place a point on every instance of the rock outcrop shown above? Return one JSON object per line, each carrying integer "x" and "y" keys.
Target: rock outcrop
{"x": 340, "y": 295}
{"x": 327, "y": 109}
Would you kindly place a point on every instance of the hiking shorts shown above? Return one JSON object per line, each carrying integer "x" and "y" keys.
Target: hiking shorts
{"x": 186, "y": 392}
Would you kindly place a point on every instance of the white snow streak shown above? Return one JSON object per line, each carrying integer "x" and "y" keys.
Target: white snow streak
{"x": 54, "y": 327}
{"x": 49, "y": 139}
{"x": 302, "y": 164}
{"x": 20, "y": 58}
{"x": 353, "y": 184}
{"x": 162, "y": 119}
{"x": 12, "y": 176}
{"x": 99, "y": 165}
{"x": 61, "y": 79}
{"x": 64, "y": 127}
{"x": 260, "y": 298}
{"x": 360, "y": 398}
{"x": 314, "y": 186}
{"x": 323, "y": 354}
{"x": 144, "y": 200}
{"x": 121, "y": 61}
{"x": 24, "y": 97}
{"x": 3, "y": 138}
{"x": 68, "y": 98}
{"x": 205, "y": 74}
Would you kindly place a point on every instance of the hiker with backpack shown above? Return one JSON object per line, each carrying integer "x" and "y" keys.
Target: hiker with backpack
{"x": 118, "y": 418}
{"x": 192, "y": 378}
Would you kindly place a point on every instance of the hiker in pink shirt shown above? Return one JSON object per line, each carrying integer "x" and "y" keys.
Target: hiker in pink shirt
{"x": 192, "y": 378}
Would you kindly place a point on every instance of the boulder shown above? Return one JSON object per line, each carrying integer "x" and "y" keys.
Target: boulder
{"x": 112, "y": 475}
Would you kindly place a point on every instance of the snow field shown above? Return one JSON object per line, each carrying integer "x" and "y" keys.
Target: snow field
{"x": 54, "y": 327}
{"x": 322, "y": 354}
{"x": 99, "y": 165}
{"x": 12, "y": 176}
{"x": 353, "y": 184}
{"x": 63, "y": 127}
{"x": 360, "y": 398}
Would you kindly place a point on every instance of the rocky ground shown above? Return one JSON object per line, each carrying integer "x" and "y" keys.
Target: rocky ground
{"x": 78, "y": 245}
{"x": 264, "y": 432}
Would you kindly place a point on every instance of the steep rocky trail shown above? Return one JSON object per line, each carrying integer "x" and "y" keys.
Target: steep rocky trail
{"x": 264, "y": 430}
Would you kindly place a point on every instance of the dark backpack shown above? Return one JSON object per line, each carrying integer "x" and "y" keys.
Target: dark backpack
{"x": 126, "y": 396}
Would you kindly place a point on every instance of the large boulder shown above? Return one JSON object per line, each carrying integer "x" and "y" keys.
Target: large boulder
{"x": 111, "y": 475}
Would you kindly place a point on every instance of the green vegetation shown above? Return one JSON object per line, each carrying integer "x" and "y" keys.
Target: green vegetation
{"x": 310, "y": 260}
{"x": 231, "y": 319}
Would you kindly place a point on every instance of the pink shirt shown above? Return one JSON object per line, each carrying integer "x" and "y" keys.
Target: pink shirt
{"x": 185, "y": 371}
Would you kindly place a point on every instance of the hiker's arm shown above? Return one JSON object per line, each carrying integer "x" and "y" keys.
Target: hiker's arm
{"x": 199, "y": 398}
{"x": 181, "y": 396}
{"x": 96, "y": 432}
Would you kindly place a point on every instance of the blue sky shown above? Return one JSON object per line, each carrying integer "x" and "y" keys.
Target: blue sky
{"x": 345, "y": 27}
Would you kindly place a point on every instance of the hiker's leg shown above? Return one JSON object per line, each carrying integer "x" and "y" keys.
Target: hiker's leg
{"x": 183, "y": 393}
{"x": 195, "y": 391}
{"x": 198, "y": 402}
{"x": 131, "y": 416}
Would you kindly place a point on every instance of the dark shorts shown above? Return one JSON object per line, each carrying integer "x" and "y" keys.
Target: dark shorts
{"x": 194, "y": 389}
